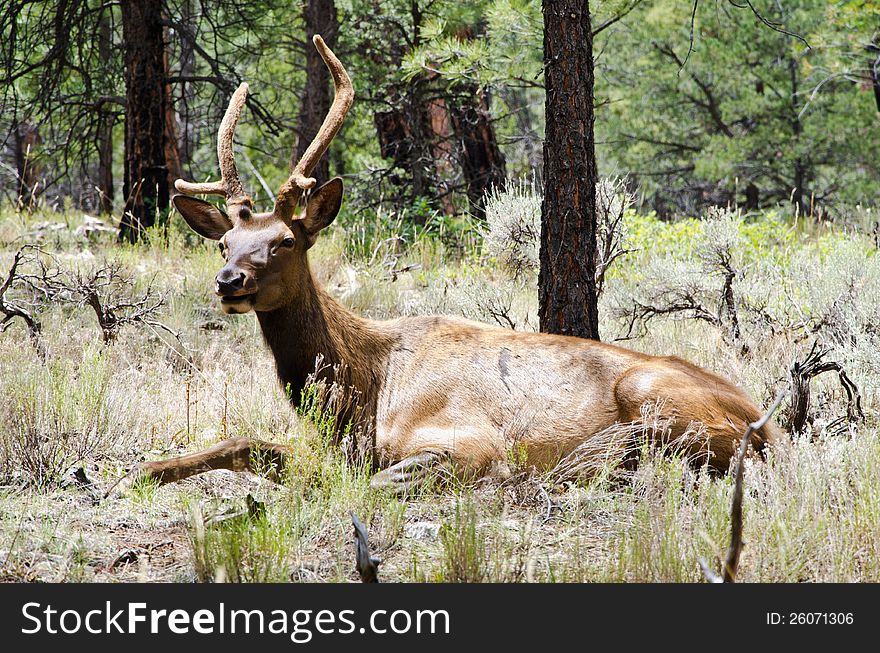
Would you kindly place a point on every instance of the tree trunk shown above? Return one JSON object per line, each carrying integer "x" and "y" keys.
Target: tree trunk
{"x": 406, "y": 136}
{"x": 27, "y": 139}
{"x": 145, "y": 186}
{"x": 105, "y": 127}
{"x": 187, "y": 90}
{"x": 752, "y": 202}
{"x": 406, "y": 130}
{"x": 799, "y": 192}
{"x": 320, "y": 18}
{"x": 443, "y": 151}
{"x": 482, "y": 162}
{"x": 567, "y": 301}
{"x": 105, "y": 162}
{"x": 875, "y": 80}
{"x": 172, "y": 150}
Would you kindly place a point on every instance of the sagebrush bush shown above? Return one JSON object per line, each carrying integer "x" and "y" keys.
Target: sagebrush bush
{"x": 512, "y": 234}
{"x": 59, "y": 414}
{"x": 513, "y": 226}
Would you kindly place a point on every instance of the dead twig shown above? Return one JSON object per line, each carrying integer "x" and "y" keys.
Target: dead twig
{"x": 731, "y": 562}
{"x": 612, "y": 201}
{"x": 11, "y": 310}
{"x": 803, "y": 372}
{"x": 366, "y": 564}
{"x": 108, "y": 290}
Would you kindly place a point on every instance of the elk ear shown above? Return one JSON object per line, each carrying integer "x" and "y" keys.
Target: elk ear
{"x": 322, "y": 207}
{"x": 204, "y": 218}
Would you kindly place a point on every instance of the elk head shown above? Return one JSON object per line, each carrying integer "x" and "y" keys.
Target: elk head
{"x": 266, "y": 252}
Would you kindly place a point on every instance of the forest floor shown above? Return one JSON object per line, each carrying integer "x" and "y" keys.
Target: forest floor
{"x": 81, "y": 411}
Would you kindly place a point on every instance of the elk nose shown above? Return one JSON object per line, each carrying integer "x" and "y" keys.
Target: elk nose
{"x": 229, "y": 280}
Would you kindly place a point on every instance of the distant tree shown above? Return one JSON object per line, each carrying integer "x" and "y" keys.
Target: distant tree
{"x": 398, "y": 107}
{"x": 74, "y": 71}
{"x": 724, "y": 107}
{"x": 320, "y": 18}
{"x": 106, "y": 120}
{"x": 482, "y": 161}
{"x": 436, "y": 123}
{"x": 149, "y": 139}
{"x": 61, "y": 76}
{"x": 26, "y": 143}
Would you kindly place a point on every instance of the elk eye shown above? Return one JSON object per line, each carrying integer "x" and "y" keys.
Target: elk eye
{"x": 288, "y": 242}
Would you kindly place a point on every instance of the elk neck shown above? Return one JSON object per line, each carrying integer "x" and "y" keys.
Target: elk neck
{"x": 354, "y": 351}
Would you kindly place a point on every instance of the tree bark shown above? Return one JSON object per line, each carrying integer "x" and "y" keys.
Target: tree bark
{"x": 187, "y": 91}
{"x": 105, "y": 127}
{"x": 443, "y": 150}
{"x": 406, "y": 135}
{"x": 27, "y": 140}
{"x": 482, "y": 162}
{"x": 320, "y": 18}
{"x": 567, "y": 302}
{"x": 145, "y": 186}
{"x": 172, "y": 149}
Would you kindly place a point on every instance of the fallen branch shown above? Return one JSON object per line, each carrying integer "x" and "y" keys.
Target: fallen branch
{"x": 367, "y": 565}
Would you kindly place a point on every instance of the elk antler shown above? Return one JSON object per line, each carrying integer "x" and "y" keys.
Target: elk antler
{"x": 299, "y": 180}
{"x": 229, "y": 184}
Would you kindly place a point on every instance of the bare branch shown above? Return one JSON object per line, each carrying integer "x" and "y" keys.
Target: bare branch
{"x": 774, "y": 26}
{"x": 12, "y": 310}
{"x": 612, "y": 201}
{"x": 802, "y": 373}
{"x": 366, "y": 564}
{"x": 731, "y": 562}
{"x": 691, "y": 40}
{"x": 617, "y": 17}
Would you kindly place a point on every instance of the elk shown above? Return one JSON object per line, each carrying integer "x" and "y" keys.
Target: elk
{"x": 435, "y": 390}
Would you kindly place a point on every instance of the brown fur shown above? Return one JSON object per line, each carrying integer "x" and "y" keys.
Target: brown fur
{"x": 438, "y": 387}
{"x": 466, "y": 389}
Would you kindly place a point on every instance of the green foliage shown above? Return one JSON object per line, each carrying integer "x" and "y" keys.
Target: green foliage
{"x": 243, "y": 548}
{"x": 747, "y": 106}
{"x": 749, "y": 112}
{"x": 464, "y": 545}
{"x": 58, "y": 415}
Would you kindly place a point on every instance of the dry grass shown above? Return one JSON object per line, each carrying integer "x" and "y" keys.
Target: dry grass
{"x": 812, "y": 512}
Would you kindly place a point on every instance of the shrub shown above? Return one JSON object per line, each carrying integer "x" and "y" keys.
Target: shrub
{"x": 513, "y": 226}
{"x": 60, "y": 414}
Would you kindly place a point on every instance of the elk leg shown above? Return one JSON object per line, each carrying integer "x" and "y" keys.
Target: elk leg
{"x": 235, "y": 454}
{"x": 410, "y": 473}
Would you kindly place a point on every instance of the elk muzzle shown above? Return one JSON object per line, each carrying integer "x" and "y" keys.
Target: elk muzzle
{"x": 236, "y": 288}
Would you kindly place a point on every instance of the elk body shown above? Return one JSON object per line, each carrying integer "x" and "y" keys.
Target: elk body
{"x": 434, "y": 389}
